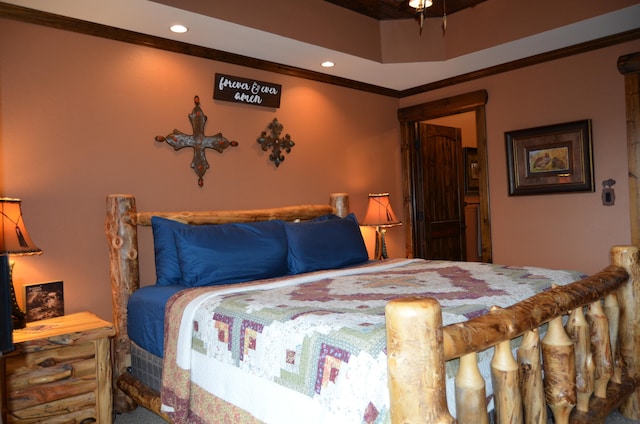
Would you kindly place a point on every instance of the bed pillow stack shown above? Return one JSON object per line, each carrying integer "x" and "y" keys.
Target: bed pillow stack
{"x": 324, "y": 244}
{"x": 202, "y": 255}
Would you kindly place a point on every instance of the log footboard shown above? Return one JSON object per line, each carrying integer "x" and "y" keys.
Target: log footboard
{"x": 591, "y": 364}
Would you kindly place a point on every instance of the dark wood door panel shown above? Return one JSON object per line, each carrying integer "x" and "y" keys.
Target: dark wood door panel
{"x": 438, "y": 214}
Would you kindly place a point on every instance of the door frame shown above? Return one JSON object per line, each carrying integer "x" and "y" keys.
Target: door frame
{"x": 409, "y": 117}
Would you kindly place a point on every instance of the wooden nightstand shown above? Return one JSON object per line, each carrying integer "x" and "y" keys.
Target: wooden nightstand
{"x": 61, "y": 371}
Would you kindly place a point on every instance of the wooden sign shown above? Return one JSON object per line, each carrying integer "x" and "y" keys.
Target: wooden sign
{"x": 241, "y": 90}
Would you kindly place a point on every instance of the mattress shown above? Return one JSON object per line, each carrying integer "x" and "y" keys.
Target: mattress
{"x": 145, "y": 323}
{"x": 311, "y": 348}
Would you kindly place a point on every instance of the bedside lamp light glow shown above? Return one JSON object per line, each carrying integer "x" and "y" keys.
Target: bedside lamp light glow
{"x": 14, "y": 240}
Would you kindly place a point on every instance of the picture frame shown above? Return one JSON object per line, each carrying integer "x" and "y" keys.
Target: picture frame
{"x": 550, "y": 159}
{"x": 44, "y": 300}
{"x": 471, "y": 171}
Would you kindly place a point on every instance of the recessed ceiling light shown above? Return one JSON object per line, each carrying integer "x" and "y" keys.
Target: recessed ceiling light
{"x": 328, "y": 64}
{"x": 179, "y": 29}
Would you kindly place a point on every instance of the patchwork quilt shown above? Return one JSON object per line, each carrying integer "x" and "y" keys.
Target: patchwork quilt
{"x": 311, "y": 348}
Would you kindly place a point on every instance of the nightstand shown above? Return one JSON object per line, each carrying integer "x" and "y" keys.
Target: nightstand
{"x": 61, "y": 369}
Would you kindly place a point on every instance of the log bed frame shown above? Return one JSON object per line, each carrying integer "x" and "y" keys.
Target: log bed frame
{"x": 591, "y": 365}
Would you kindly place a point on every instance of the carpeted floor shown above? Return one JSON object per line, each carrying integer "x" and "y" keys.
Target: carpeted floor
{"x": 143, "y": 416}
{"x": 139, "y": 416}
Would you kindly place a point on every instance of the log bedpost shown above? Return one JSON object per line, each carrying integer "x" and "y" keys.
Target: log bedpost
{"x": 580, "y": 332}
{"x": 600, "y": 348}
{"x": 612, "y": 312}
{"x": 558, "y": 362}
{"x": 340, "y": 204}
{"x": 506, "y": 384}
{"x": 534, "y": 408}
{"x": 471, "y": 393}
{"x": 415, "y": 358}
{"x": 628, "y": 257}
{"x": 120, "y": 229}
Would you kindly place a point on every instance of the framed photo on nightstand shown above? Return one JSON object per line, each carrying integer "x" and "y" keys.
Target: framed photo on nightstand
{"x": 44, "y": 300}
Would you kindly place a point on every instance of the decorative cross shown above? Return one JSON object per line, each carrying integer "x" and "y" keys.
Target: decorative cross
{"x": 198, "y": 141}
{"x": 275, "y": 143}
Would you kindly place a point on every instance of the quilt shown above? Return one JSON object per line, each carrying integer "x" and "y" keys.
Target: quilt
{"x": 312, "y": 348}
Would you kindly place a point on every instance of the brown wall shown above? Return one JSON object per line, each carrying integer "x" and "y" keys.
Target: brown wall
{"x": 78, "y": 116}
{"x": 569, "y": 230}
{"x": 78, "y": 119}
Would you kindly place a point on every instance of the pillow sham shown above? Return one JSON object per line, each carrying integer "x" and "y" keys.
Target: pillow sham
{"x": 164, "y": 247}
{"x": 231, "y": 253}
{"x": 325, "y": 244}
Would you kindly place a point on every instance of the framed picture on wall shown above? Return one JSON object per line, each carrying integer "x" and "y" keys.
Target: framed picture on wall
{"x": 550, "y": 159}
{"x": 44, "y": 300}
{"x": 471, "y": 171}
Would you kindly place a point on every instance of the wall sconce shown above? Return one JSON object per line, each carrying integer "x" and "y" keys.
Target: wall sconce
{"x": 14, "y": 240}
{"x": 380, "y": 215}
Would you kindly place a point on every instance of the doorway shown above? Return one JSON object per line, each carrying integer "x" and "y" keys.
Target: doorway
{"x": 411, "y": 119}
{"x": 438, "y": 188}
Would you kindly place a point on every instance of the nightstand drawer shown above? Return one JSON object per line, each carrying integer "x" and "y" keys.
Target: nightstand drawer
{"x": 51, "y": 365}
{"x": 50, "y": 375}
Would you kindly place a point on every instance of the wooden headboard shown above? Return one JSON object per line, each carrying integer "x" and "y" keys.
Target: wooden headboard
{"x": 121, "y": 228}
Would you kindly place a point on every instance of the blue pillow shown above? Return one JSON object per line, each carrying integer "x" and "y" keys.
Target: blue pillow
{"x": 231, "y": 253}
{"x": 166, "y": 256}
{"x": 326, "y": 217}
{"x": 317, "y": 245}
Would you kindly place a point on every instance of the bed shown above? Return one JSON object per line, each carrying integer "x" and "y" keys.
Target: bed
{"x": 521, "y": 344}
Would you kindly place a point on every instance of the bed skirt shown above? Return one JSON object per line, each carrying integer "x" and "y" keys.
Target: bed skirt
{"x": 146, "y": 367}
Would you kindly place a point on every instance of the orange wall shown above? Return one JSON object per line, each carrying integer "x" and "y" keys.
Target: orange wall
{"x": 569, "y": 230}
{"x": 78, "y": 119}
{"x": 78, "y": 116}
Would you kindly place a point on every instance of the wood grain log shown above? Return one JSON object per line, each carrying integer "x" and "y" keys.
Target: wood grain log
{"x": 59, "y": 409}
{"x": 534, "y": 409}
{"x": 629, "y": 335}
{"x": 143, "y": 395}
{"x": 612, "y": 312}
{"x": 416, "y": 372}
{"x": 471, "y": 395}
{"x": 286, "y": 213}
{"x": 48, "y": 357}
{"x": 600, "y": 347}
{"x": 46, "y": 393}
{"x": 120, "y": 229}
{"x": 483, "y": 332}
{"x": 339, "y": 202}
{"x": 504, "y": 324}
{"x": 600, "y": 408}
{"x": 558, "y": 358}
{"x": 580, "y": 333}
{"x": 506, "y": 387}
{"x": 103, "y": 372}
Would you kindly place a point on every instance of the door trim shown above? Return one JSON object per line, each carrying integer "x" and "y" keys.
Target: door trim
{"x": 409, "y": 117}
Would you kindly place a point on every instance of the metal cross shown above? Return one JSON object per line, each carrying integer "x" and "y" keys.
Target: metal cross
{"x": 275, "y": 143}
{"x": 198, "y": 141}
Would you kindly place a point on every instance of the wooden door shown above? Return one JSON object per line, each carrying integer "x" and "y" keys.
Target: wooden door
{"x": 439, "y": 230}
{"x": 409, "y": 118}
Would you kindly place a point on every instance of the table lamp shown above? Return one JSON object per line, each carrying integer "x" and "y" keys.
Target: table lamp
{"x": 380, "y": 215}
{"x": 14, "y": 240}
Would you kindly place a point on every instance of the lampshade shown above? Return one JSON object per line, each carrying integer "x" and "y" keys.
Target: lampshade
{"x": 14, "y": 238}
{"x": 379, "y": 212}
